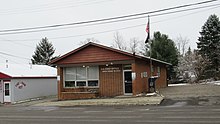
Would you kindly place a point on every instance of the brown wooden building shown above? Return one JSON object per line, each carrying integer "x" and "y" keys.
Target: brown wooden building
{"x": 94, "y": 70}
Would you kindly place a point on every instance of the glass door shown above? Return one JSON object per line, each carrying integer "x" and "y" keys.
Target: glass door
{"x": 127, "y": 82}
{"x": 7, "y": 93}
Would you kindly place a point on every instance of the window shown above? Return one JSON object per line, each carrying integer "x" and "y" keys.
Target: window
{"x": 81, "y": 73}
{"x": 7, "y": 93}
{"x": 152, "y": 68}
{"x": 93, "y": 83}
{"x": 70, "y": 77}
{"x": 93, "y": 76}
{"x": 127, "y": 67}
{"x": 81, "y": 76}
{"x": 92, "y": 72}
{"x": 69, "y": 83}
{"x": 158, "y": 71}
{"x": 81, "y": 83}
{"x": 70, "y": 74}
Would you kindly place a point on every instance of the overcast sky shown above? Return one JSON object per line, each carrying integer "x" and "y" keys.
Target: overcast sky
{"x": 28, "y": 13}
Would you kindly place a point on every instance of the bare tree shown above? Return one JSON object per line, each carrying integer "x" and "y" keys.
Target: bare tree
{"x": 181, "y": 44}
{"x": 89, "y": 40}
{"x": 200, "y": 65}
{"x": 144, "y": 48}
{"x": 119, "y": 42}
{"x": 134, "y": 42}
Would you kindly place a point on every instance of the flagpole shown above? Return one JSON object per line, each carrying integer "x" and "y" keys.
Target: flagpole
{"x": 151, "y": 73}
{"x": 150, "y": 48}
{"x": 151, "y": 78}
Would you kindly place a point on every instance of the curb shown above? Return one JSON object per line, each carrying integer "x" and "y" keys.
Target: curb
{"x": 153, "y": 100}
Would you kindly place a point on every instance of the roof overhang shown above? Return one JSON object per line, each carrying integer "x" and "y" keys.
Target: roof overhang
{"x": 133, "y": 55}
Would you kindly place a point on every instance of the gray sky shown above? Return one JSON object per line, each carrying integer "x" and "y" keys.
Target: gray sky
{"x": 28, "y": 13}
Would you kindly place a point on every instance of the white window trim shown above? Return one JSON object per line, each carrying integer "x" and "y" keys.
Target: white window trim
{"x": 80, "y": 80}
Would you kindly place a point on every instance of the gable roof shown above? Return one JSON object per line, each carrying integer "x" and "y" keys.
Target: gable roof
{"x": 106, "y": 48}
{"x": 26, "y": 70}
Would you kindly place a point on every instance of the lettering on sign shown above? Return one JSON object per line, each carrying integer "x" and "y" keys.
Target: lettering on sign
{"x": 110, "y": 69}
{"x": 20, "y": 85}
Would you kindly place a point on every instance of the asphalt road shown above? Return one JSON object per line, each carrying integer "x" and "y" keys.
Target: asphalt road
{"x": 193, "y": 104}
{"x": 171, "y": 114}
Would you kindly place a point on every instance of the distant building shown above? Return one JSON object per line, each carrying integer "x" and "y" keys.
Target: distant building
{"x": 94, "y": 70}
{"x": 21, "y": 82}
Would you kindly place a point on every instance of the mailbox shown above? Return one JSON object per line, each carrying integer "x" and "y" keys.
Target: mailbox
{"x": 151, "y": 84}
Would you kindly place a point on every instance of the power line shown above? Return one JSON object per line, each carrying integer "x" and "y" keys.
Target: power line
{"x": 134, "y": 26}
{"x": 10, "y": 60}
{"x": 128, "y": 27}
{"x": 105, "y": 19}
{"x": 3, "y": 39}
{"x": 120, "y": 20}
{"x": 55, "y": 8}
{"x": 14, "y": 56}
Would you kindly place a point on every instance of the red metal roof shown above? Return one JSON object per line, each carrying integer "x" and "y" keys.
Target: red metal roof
{"x": 4, "y": 76}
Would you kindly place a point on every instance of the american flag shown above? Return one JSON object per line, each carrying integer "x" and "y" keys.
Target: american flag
{"x": 148, "y": 31}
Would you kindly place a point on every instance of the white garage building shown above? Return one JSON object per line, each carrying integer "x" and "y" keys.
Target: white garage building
{"x": 21, "y": 82}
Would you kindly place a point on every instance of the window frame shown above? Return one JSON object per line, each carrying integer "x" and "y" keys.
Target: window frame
{"x": 76, "y": 80}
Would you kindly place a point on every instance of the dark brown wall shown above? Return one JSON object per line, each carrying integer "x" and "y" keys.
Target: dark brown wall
{"x": 60, "y": 82}
{"x": 140, "y": 84}
{"x": 78, "y": 95}
{"x": 93, "y": 54}
{"x": 111, "y": 82}
{"x": 162, "y": 80}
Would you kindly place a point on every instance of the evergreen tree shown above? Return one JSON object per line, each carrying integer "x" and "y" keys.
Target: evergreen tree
{"x": 209, "y": 45}
{"x": 163, "y": 48}
{"x": 189, "y": 52}
{"x": 43, "y": 53}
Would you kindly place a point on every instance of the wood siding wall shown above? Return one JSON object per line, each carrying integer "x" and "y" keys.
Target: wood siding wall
{"x": 162, "y": 80}
{"x": 140, "y": 84}
{"x": 111, "y": 82}
{"x": 93, "y": 54}
{"x": 60, "y": 82}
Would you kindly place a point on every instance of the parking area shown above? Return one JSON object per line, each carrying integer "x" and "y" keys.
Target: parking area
{"x": 191, "y": 94}
{"x": 191, "y": 90}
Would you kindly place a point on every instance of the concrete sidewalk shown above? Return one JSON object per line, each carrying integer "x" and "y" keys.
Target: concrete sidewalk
{"x": 142, "y": 100}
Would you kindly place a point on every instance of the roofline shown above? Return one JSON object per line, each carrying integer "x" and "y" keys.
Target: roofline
{"x": 105, "y": 47}
{"x": 37, "y": 77}
{"x": 6, "y": 75}
{"x": 34, "y": 77}
{"x": 156, "y": 60}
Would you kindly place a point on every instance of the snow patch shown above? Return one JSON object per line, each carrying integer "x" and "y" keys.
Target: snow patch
{"x": 174, "y": 85}
{"x": 26, "y": 70}
{"x": 214, "y": 82}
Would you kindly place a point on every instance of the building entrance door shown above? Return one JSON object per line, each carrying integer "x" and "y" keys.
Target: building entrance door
{"x": 127, "y": 82}
{"x": 7, "y": 92}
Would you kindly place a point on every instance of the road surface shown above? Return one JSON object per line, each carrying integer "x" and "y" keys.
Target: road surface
{"x": 178, "y": 113}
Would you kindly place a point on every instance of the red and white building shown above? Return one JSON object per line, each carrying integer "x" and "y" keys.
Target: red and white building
{"x": 20, "y": 82}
